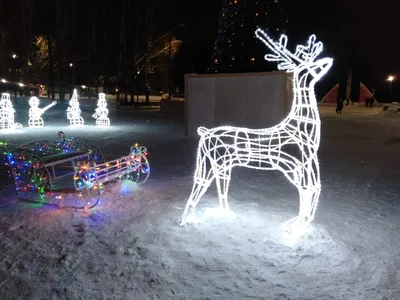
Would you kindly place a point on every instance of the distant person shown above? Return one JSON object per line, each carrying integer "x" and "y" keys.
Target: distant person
{"x": 339, "y": 107}
{"x": 371, "y": 102}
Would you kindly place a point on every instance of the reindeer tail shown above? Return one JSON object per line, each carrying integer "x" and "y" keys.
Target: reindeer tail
{"x": 201, "y": 131}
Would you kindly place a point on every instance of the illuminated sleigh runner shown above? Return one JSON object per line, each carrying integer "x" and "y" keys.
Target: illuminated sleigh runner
{"x": 222, "y": 148}
{"x": 70, "y": 172}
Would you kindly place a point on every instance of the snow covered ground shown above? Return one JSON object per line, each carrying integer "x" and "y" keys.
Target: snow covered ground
{"x": 131, "y": 247}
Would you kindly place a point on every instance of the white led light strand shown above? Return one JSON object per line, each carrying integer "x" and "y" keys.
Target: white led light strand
{"x": 74, "y": 112}
{"x": 35, "y": 113}
{"x": 7, "y": 113}
{"x": 101, "y": 112}
{"x": 290, "y": 147}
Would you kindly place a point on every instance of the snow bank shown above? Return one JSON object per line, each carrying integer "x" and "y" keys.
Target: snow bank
{"x": 131, "y": 247}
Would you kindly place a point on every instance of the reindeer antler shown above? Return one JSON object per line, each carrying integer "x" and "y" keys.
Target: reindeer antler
{"x": 282, "y": 55}
{"x": 310, "y": 52}
{"x": 287, "y": 60}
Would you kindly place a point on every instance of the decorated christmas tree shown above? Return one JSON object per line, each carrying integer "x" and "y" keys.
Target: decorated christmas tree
{"x": 236, "y": 48}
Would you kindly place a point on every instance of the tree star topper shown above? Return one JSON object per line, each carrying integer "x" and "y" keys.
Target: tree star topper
{"x": 222, "y": 148}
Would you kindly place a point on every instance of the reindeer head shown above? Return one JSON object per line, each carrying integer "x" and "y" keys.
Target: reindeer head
{"x": 302, "y": 59}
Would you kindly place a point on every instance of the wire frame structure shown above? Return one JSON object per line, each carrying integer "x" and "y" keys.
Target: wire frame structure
{"x": 7, "y": 111}
{"x": 74, "y": 111}
{"x": 290, "y": 147}
{"x": 35, "y": 112}
{"x": 101, "y": 113}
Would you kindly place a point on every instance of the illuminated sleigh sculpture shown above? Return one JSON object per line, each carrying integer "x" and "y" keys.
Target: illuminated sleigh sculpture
{"x": 43, "y": 167}
{"x": 222, "y": 148}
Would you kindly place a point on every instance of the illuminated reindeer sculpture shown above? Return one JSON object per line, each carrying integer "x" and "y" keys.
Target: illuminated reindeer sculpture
{"x": 222, "y": 148}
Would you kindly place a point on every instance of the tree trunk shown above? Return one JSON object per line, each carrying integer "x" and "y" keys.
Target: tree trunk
{"x": 27, "y": 15}
{"x": 51, "y": 68}
{"x": 93, "y": 50}
{"x": 122, "y": 47}
{"x": 2, "y": 40}
{"x": 169, "y": 68}
{"x": 149, "y": 35}
{"x": 60, "y": 38}
{"x": 136, "y": 51}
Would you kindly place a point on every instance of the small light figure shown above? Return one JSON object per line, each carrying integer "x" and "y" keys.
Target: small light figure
{"x": 35, "y": 113}
{"x": 20, "y": 84}
{"x": 101, "y": 113}
{"x": 14, "y": 56}
{"x": 7, "y": 113}
{"x": 74, "y": 112}
{"x": 4, "y": 81}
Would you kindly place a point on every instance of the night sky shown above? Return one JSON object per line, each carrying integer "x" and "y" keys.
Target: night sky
{"x": 359, "y": 34}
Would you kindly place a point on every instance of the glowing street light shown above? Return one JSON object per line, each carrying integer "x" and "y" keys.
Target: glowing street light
{"x": 83, "y": 86}
{"x": 4, "y": 81}
{"x": 14, "y": 56}
{"x": 20, "y": 84}
{"x": 390, "y": 79}
{"x": 71, "y": 65}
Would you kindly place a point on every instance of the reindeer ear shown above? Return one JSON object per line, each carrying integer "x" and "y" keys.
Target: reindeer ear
{"x": 272, "y": 57}
{"x": 286, "y": 66}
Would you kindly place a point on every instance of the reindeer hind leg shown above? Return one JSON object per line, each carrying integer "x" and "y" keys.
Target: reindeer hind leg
{"x": 203, "y": 177}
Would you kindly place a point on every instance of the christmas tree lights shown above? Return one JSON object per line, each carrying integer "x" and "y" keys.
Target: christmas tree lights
{"x": 236, "y": 49}
{"x": 35, "y": 113}
{"x": 222, "y": 148}
{"x": 74, "y": 112}
{"x": 101, "y": 112}
{"x": 7, "y": 113}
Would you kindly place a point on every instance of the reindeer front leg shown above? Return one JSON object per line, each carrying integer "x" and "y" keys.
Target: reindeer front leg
{"x": 309, "y": 191}
{"x": 203, "y": 177}
{"x": 223, "y": 178}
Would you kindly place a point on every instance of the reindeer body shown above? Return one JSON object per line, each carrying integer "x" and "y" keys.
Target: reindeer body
{"x": 223, "y": 148}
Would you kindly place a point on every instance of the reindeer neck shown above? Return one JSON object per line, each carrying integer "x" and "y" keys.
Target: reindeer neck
{"x": 304, "y": 101}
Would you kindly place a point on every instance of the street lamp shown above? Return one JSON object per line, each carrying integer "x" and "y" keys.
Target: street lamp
{"x": 14, "y": 56}
{"x": 71, "y": 65}
{"x": 390, "y": 79}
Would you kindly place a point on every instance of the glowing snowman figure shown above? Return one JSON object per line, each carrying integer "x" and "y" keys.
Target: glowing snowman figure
{"x": 101, "y": 112}
{"x": 35, "y": 113}
{"x": 74, "y": 112}
{"x": 7, "y": 113}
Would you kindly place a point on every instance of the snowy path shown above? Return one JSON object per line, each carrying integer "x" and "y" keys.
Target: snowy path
{"x": 130, "y": 247}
